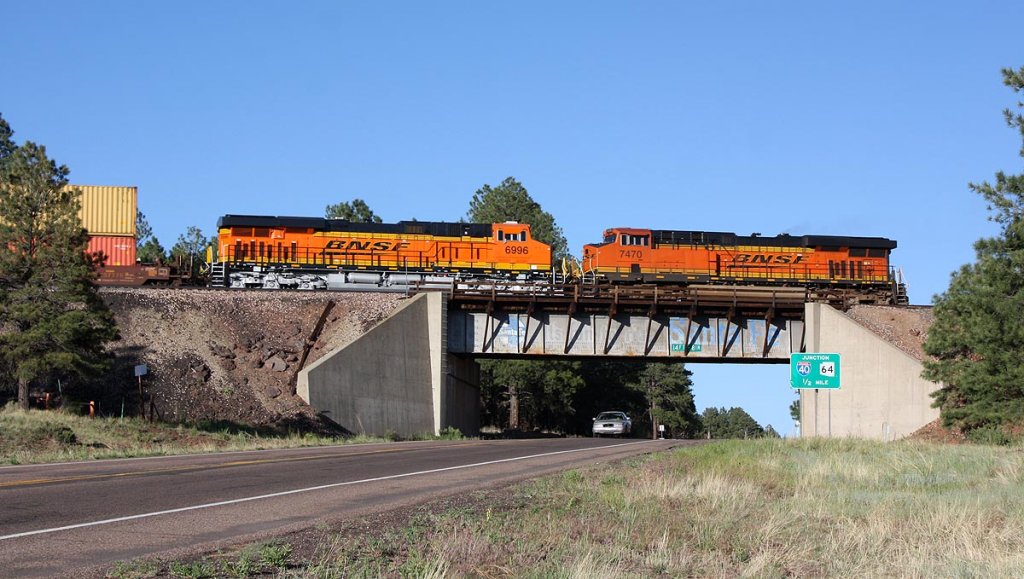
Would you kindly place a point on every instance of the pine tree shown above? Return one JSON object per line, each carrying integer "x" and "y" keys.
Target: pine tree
{"x": 357, "y": 211}
{"x": 977, "y": 339}
{"x": 52, "y": 322}
{"x": 510, "y": 201}
{"x": 525, "y": 392}
{"x": 667, "y": 387}
{"x": 732, "y": 423}
{"x": 148, "y": 248}
{"x": 189, "y": 249}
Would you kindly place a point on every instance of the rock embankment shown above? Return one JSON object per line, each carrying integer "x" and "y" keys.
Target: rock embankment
{"x": 231, "y": 356}
{"x": 902, "y": 326}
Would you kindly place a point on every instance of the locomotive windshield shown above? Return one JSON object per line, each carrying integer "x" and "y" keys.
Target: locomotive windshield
{"x": 511, "y": 236}
{"x": 635, "y": 240}
{"x": 609, "y": 238}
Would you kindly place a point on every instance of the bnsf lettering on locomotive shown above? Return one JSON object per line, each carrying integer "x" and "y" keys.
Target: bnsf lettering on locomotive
{"x": 353, "y": 245}
{"x": 768, "y": 259}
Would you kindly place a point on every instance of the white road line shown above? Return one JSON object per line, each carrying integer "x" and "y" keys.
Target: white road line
{"x": 304, "y": 490}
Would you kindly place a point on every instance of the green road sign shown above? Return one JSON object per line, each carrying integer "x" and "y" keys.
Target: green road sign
{"x": 814, "y": 370}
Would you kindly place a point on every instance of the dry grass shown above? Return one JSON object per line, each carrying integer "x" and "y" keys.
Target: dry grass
{"x": 763, "y": 508}
{"x": 39, "y": 437}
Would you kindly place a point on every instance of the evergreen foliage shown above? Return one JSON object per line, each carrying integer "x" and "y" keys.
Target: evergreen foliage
{"x": 7, "y": 145}
{"x": 52, "y": 322}
{"x": 667, "y": 387}
{"x": 731, "y": 423}
{"x": 357, "y": 210}
{"x": 190, "y": 248}
{"x": 510, "y": 201}
{"x": 530, "y": 394}
{"x": 524, "y": 394}
{"x": 977, "y": 339}
{"x": 151, "y": 252}
{"x": 147, "y": 246}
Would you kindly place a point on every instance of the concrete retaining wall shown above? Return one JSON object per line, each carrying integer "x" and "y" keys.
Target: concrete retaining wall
{"x": 398, "y": 377}
{"x": 882, "y": 395}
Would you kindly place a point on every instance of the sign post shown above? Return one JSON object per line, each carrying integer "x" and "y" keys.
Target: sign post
{"x": 812, "y": 370}
{"x": 140, "y": 371}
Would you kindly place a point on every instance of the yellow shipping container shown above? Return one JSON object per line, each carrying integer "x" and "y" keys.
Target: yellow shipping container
{"x": 108, "y": 210}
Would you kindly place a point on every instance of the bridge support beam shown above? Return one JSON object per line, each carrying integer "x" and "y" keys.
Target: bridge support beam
{"x": 697, "y": 337}
{"x": 398, "y": 377}
{"x": 881, "y": 396}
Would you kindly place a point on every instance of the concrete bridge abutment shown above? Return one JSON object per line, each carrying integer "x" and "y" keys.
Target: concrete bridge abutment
{"x": 398, "y": 377}
{"x": 882, "y": 395}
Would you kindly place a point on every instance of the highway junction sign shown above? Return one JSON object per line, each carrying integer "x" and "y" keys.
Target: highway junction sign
{"x": 812, "y": 370}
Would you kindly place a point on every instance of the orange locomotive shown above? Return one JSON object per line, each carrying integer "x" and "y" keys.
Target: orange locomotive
{"x": 315, "y": 253}
{"x": 702, "y": 257}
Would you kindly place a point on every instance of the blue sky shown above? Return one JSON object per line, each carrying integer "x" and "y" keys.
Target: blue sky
{"x": 862, "y": 118}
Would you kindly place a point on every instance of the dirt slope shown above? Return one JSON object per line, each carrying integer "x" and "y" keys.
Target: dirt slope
{"x": 902, "y": 326}
{"x": 231, "y": 356}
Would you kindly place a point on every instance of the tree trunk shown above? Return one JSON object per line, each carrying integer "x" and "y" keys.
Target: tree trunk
{"x": 654, "y": 422}
{"x": 23, "y": 393}
{"x": 513, "y": 406}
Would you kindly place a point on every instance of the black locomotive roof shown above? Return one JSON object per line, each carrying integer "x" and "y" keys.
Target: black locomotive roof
{"x": 667, "y": 236}
{"x": 438, "y": 228}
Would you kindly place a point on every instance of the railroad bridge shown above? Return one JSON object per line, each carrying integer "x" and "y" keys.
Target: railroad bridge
{"x": 698, "y": 323}
{"x": 416, "y": 371}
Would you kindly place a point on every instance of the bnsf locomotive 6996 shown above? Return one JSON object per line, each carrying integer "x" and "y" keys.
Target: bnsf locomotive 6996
{"x": 858, "y": 264}
{"x": 314, "y": 253}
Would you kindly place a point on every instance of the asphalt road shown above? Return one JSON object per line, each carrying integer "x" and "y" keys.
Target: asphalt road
{"x": 70, "y": 519}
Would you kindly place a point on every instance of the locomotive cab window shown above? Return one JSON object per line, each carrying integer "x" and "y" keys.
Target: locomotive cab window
{"x": 642, "y": 240}
{"x": 876, "y": 253}
{"x": 858, "y": 252}
{"x": 610, "y": 238}
{"x": 511, "y": 236}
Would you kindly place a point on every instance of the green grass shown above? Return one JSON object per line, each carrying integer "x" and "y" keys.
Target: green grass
{"x": 765, "y": 508}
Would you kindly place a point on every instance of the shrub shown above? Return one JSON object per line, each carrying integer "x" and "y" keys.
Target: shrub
{"x": 451, "y": 433}
{"x": 991, "y": 435}
{"x": 276, "y": 554}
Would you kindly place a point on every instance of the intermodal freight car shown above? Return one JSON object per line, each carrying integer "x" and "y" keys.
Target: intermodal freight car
{"x": 860, "y": 264}
{"x": 314, "y": 253}
{"x": 109, "y": 215}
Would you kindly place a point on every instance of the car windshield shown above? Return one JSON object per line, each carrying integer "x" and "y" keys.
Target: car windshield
{"x": 610, "y": 416}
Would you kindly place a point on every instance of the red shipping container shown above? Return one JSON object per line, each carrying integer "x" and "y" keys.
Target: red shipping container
{"x": 120, "y": 250}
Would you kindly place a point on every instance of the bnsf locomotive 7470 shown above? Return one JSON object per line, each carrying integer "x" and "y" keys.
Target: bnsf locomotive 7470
{"x": 857, "y": 265}
{"x": 314, "y": 253}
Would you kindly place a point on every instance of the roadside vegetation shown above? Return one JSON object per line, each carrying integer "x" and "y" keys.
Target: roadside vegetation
{"x": 55, "y": 436}
{"x": 975, "y": 345}
{"x": 762, "y": 508}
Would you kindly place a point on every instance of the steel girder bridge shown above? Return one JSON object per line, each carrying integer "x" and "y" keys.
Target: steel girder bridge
{"x": 695, "y": 323}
